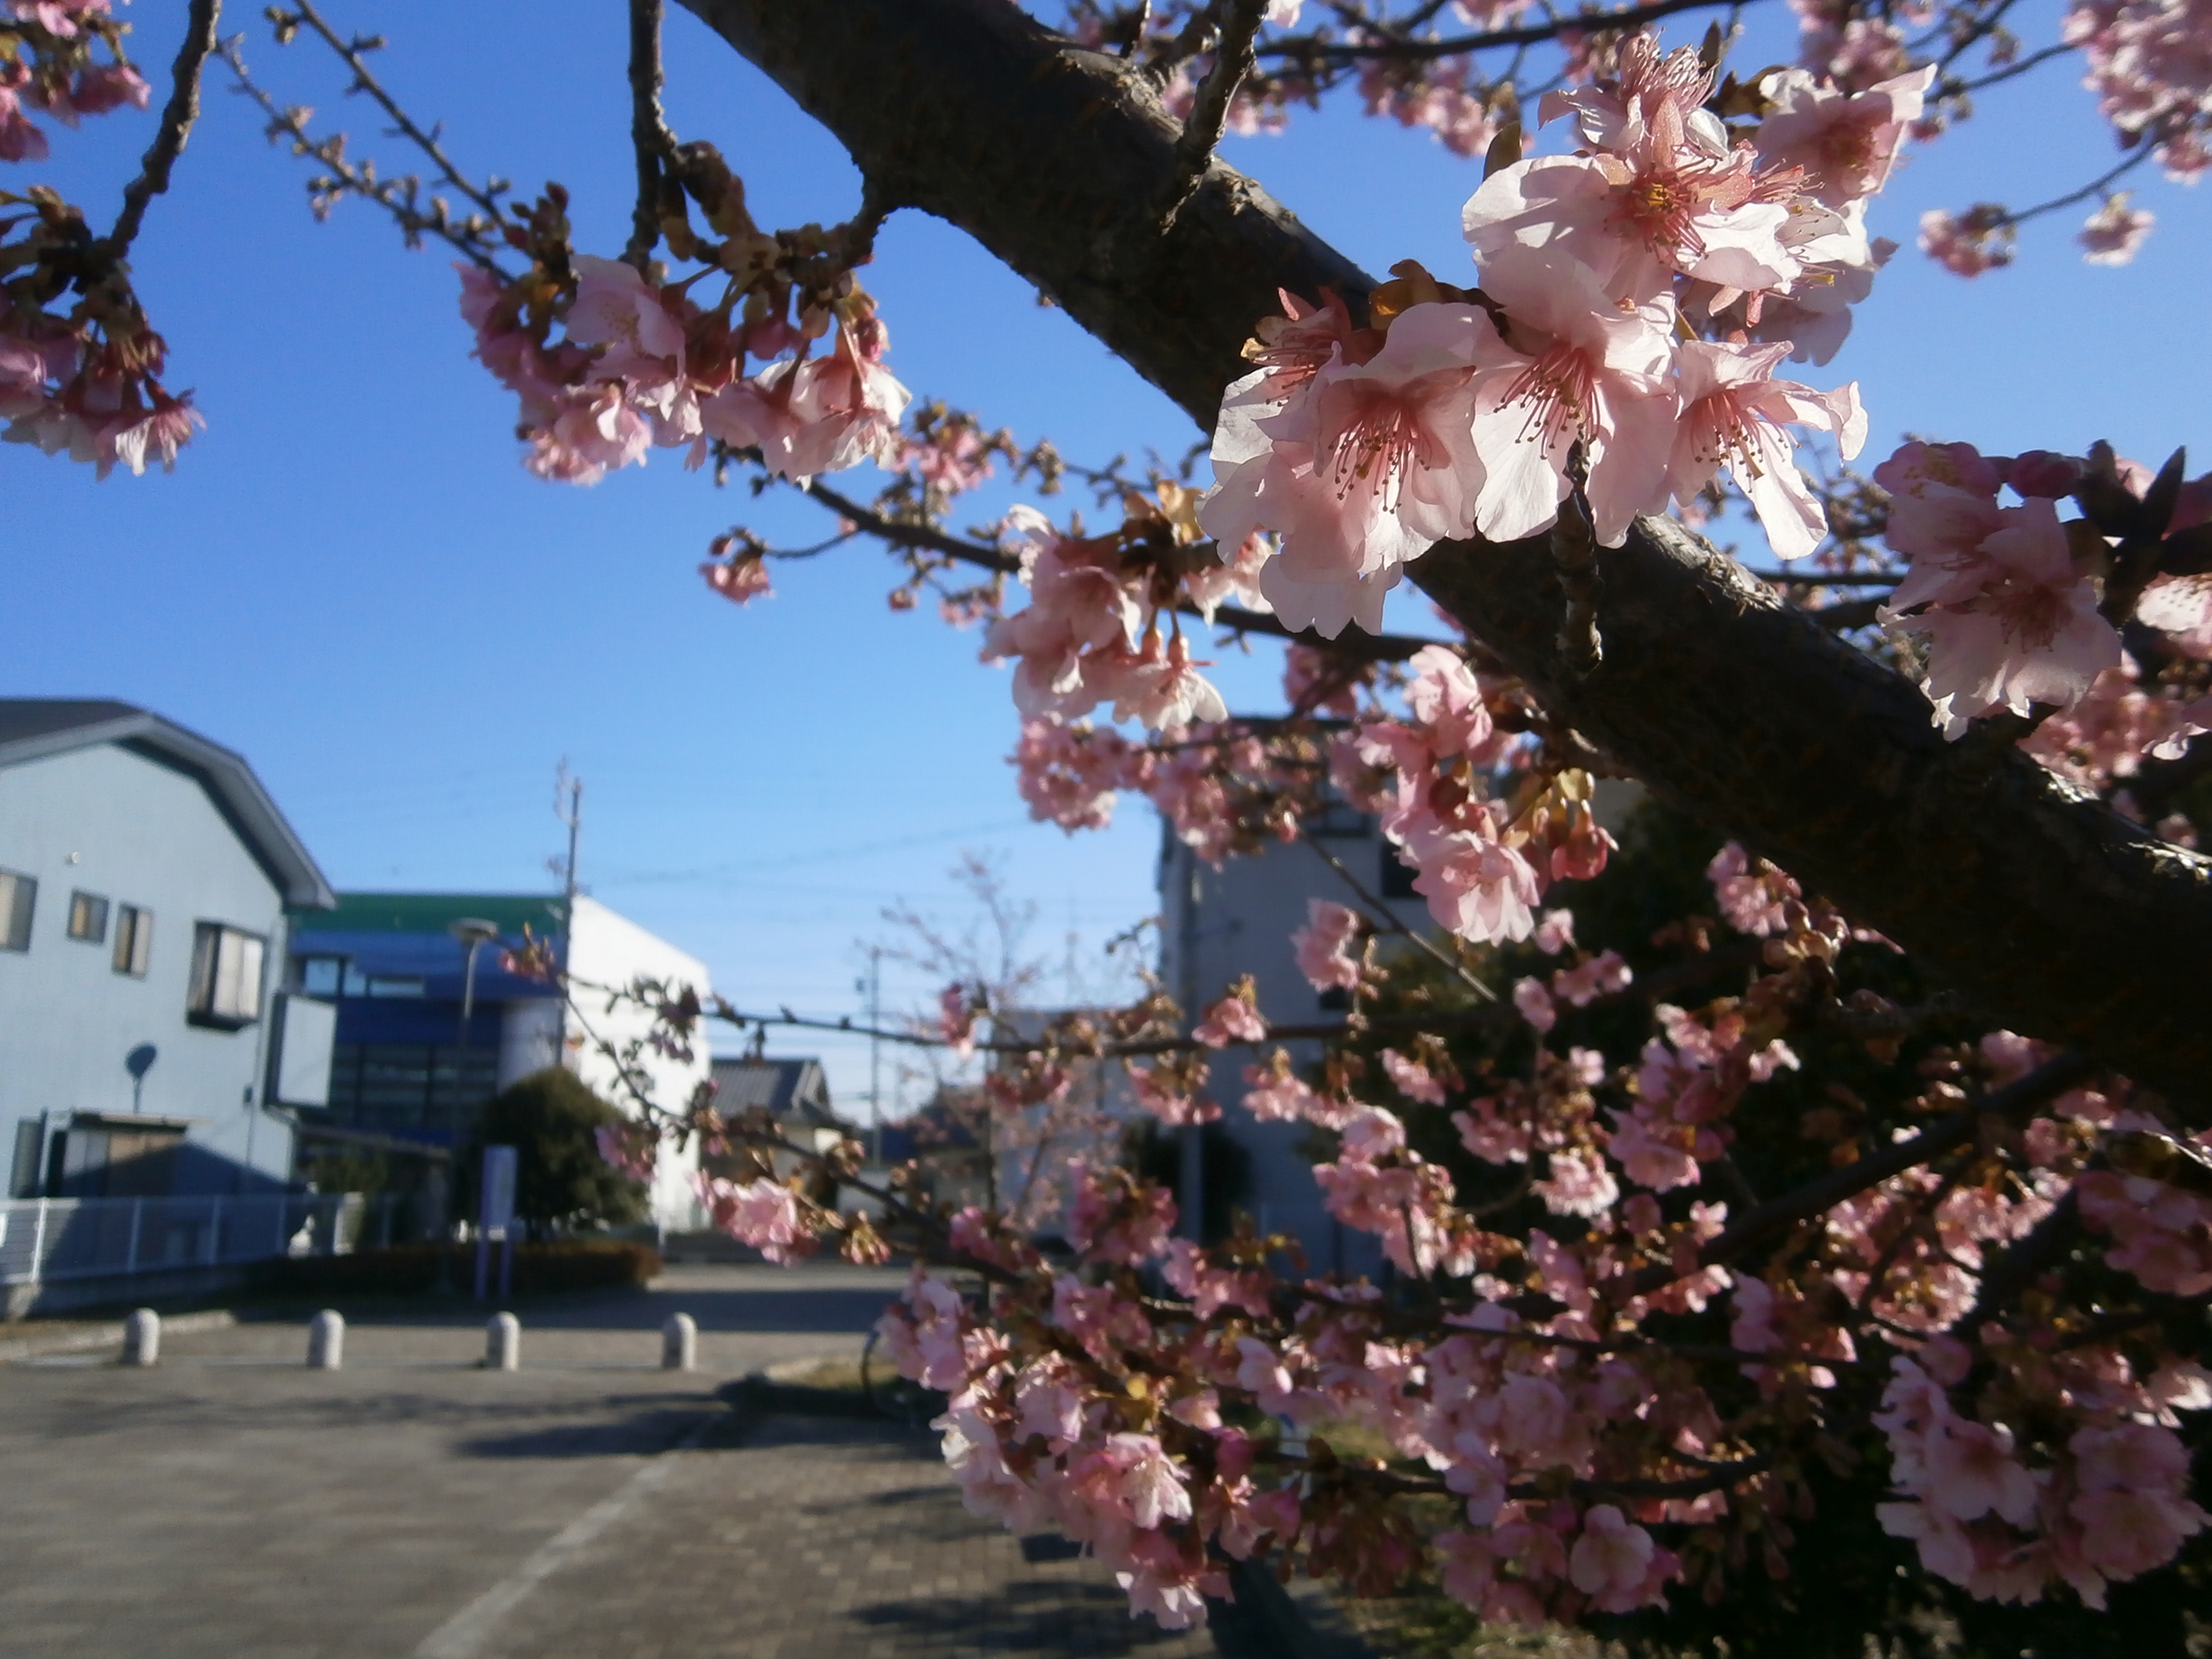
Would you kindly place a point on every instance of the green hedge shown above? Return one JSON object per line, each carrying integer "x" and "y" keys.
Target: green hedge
{"x": 412, "y": 1269}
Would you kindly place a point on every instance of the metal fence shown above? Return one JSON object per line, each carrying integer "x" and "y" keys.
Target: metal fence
{"x": 47, "y": 1239}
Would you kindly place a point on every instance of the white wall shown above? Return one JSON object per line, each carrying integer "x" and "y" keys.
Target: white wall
{"x": 111, "y": 822}
{"x": 608, "y": 950}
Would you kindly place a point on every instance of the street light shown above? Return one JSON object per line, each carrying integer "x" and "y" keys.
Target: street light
{"x": 475, "y": 933}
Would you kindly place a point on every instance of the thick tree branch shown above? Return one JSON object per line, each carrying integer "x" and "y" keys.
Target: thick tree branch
{"x": 183, "y": 109}
{"x": 2052, "y": 912}
{"x": 649, "y": 136}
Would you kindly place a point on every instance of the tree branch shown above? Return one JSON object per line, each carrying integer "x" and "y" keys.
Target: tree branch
{"x": 2052, "y": 911}
{"x": 648, "y": 129}
{"x": 1233, "y": 60}
{"x": 1309, "y": 50}
{"x": 183, "y": 109}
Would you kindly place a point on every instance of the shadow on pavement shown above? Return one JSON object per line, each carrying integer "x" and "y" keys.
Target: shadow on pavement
{"x": 653, "y": 1429}
{"x": 1036, "y": 1617}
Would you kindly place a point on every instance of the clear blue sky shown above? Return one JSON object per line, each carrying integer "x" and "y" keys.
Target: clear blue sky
{"x": 351, "y": 579}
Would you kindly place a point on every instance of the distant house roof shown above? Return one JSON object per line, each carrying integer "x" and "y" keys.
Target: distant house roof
{"x": 31, "y": 728}
{"x": 793, "y": 1090}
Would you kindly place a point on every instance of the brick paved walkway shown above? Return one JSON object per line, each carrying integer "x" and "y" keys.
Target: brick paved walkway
{"x": 820, "y": 1538}
{"x": 231, "y": 1504}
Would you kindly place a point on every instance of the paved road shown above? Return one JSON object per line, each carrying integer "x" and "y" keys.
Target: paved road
{"x": 232, "y": 1504}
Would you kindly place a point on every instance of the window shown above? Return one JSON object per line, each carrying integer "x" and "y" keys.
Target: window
{"x": 1397, "y": 875}
{"x": 226, "y": 988}
{"x": 18, "y": 897}
{"x": 87, "y": 917}
{"x": 134, "y": 939}
{"x": 1339, "y": 821}
{"x": 321, "y": 976}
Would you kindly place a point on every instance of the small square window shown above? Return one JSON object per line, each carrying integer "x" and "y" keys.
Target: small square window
{"x": 226, "y": 988}
{"x": 134, "y": 939}
{"x": 87, "y": 918}
{"x": 19, "y": 896}
{"x": 321, "y": 976}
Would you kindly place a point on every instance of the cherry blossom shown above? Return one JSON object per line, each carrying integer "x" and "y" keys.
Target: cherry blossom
{"x": 1846, "y": 142}
{"x": 1323, "y": 946}
{"x": 1568, "y": 369}
{"x": 1733, "y": 413}
{"x": 2029, "y": 631}
{"x": 2113, "y": 232}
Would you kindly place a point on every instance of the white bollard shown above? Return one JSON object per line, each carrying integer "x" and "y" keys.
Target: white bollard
{"x": 679, "y": 1343}
{"x": 503, "y": 1343}
{"x": 326, "y": 1341}
{"x": 142, "y": 1338}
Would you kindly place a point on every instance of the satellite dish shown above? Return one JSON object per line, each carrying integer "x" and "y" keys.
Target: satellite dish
{"x": 138, "y": 1062}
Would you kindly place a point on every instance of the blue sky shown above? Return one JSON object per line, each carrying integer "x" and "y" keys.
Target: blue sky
{"x": 351, "y": 579}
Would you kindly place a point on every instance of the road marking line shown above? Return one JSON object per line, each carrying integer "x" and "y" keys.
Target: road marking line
{"x": 464, "y": 1635}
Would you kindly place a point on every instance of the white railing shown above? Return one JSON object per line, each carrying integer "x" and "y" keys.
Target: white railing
{"x": 43, "y": 1239}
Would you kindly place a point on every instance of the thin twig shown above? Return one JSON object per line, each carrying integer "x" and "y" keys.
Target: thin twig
{"x": 1309, "y": 50}
{"x": 1374, "y": 647}
{"x": 1995, "y": 77}
{"x": 349, "y": 52}
{"x": 183, "y": 109}
{"x": 466, "y": 237}
{"x": 2096, "y": 187}
{"x": 1389, "y": 923}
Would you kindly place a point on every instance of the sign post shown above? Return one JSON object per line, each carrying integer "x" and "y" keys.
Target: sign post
{"x": 495, "y": 1214}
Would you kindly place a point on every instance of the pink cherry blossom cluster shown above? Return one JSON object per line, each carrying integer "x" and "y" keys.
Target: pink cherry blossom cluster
{"x": 1463, "y": 413}
{"x": 2110, "y": 1504}
{"x": 68, "y": 390}
{"x": 2012, "y": 601}
{"x": 1575, "y": 1444}
{"x": 1220, "y": 788}
{"x": 86, "y": 385}
{"x": 2148, "y": 67}
{"x": 1446, "y": 95}
{"x": 1578, "y": 985}
{"x": 631, "y": 1146}
{"x": 1092, "y": 633}
{"x": 1482, "y": 866}
{"x": 1837, "y": 39}
{"x": 48, "y": 65}
{"x": 641, "y": 365}
{"x": 765, "y": 1213}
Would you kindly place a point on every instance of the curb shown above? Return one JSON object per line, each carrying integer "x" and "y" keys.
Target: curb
{"x": 90, "y": 1338}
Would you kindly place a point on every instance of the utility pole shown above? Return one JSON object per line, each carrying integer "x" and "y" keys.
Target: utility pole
{"x": 876, "y": 1049}
{"x": 568, "y": 807}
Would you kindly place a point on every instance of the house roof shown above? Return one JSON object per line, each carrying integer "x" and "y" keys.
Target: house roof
{"x": 792, "y": 1089}
{"x": 31, "y": 728}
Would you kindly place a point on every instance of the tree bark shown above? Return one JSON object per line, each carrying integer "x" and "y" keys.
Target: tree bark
{"x": 2055, "y": 915}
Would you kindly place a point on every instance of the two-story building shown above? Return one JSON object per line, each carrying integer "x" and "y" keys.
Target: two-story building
{"x": 145, "y": 882}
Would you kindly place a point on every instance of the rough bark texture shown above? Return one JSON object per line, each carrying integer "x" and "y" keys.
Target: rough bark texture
{"x": 2060, "y": 918}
